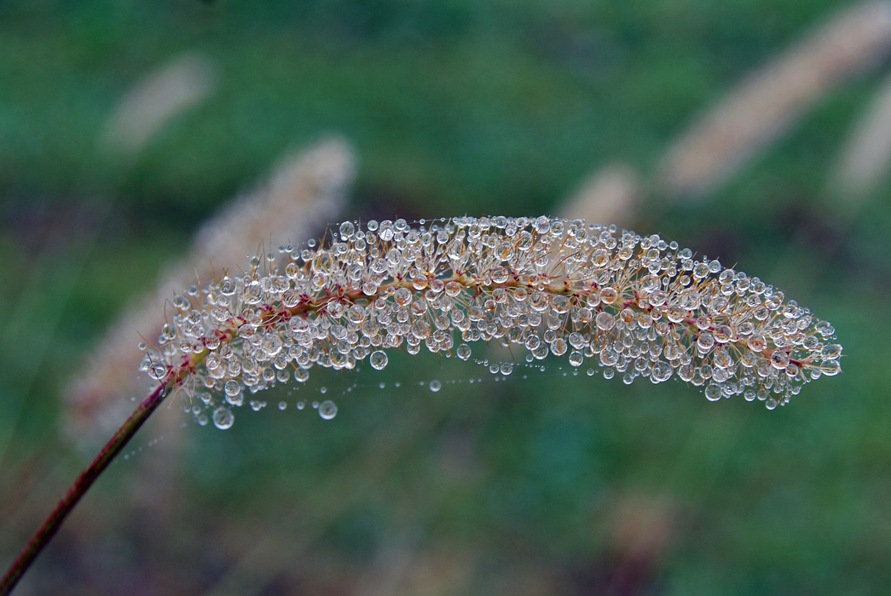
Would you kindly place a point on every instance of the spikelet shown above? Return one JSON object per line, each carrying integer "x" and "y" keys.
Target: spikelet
{"x": 639, "y": 306}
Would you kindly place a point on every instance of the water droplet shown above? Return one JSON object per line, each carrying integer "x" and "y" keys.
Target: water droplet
{"x": 234, "y": 396}
{"x": 282, "y": 405}
{"x": 463, "y": 352}
{"x": 779, "y": 359}
{"x": 604, "y": 321}
{"x": 831, "y": 351}
{"x": 378, "y": 360}
{"x": 831, "y": 368}
{"x": 301, "y": 405}
{"x": 705, "y": 342}
{"x": 435, "y": 385}
{"x": 223, "y": 418}
{"x": 346, "y": 230}
{"x": 327, "y": 409}
{"x": 661, "y": 372}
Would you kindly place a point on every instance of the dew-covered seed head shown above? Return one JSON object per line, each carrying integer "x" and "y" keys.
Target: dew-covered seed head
{"x": 639, "y": 306}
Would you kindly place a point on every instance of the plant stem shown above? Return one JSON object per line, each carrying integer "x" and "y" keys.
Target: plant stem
{"x": 81, "y": 485}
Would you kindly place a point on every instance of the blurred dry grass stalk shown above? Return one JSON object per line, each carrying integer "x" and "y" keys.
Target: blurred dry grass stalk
{"x": 156, "y": 99}
{"x": 305, "y": 191}
{"x": 770, "y": 101}
{"x": 866, "y": 154}
{"x": 755, "y": 113}
{"x": 611, "y": 194}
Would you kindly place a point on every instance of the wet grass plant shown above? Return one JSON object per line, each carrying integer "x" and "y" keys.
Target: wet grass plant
{"x": 639, "y": 307}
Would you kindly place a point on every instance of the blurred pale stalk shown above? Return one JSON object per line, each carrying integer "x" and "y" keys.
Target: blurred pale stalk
{"x": 866, "y": 154}
{"x": 609, "y": 195}
{"x": 305, "y": 191}
{"x": 772, "y": 99}
{"x": 178, "y": 85}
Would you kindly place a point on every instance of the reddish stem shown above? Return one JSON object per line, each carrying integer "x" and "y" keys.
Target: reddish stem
{"x": 81, "y": 485}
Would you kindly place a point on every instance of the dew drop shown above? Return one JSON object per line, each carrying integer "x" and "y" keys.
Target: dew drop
{"x": 463, "y": 352}
{"x": 378, "y": 360}
{"x": 435, "y": 385}
{"x": 830, "y": 369}
{"x": 831, "y": 351}
{"x": 301, "y": 405}
{"x": 604, "y": 321}
{"x": 234, "y": 396}
{"x": 327, "y": 409}
{"x": 282, "y": 406}
{"x": 347, "y": 229}
{"x": 661, "y": 372}
{"x": 223, "y": 418}
{"x": 779, "y": 359}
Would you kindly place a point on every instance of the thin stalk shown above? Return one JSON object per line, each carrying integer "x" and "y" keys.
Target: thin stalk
{"x": 81, "y": 485}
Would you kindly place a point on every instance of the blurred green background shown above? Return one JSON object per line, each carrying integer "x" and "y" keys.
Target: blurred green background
{"x": 552, "y": 484}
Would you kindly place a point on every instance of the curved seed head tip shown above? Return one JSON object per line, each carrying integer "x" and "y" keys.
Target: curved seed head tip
{"x": 636, "y": 305}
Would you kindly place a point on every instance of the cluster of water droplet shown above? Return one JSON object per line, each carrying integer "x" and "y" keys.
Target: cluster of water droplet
{"x": 636, "y": 305}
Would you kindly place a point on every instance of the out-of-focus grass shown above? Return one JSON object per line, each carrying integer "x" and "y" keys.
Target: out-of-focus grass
{"x": 456, "y": 108}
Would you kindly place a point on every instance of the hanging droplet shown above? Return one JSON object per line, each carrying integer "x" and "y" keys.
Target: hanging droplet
{"x": 378, "y": 360}
{"x": 327, "y": 409}
{"x": 223, "y": 418}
